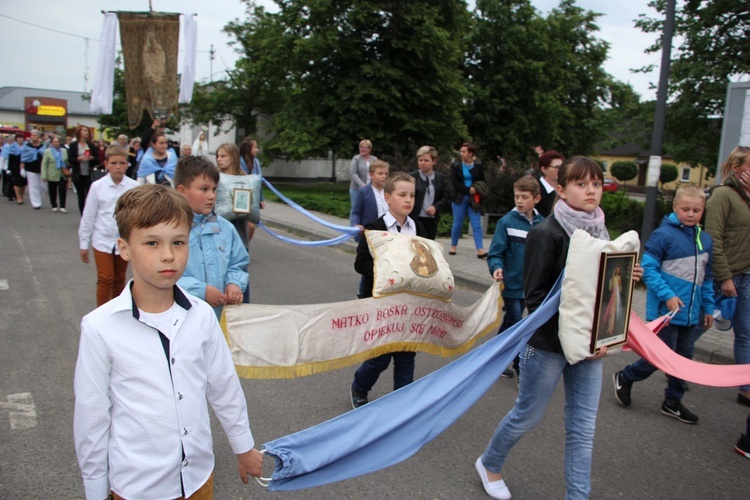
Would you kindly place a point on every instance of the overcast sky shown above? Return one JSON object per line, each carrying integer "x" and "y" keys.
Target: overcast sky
{"x": 39, "y": 57}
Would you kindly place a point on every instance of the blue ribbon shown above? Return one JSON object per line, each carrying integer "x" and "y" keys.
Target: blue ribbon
{"x": 348, "y": 231}
{"x": 393, "y": 428}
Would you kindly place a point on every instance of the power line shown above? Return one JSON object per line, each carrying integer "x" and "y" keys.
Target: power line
{"x": 49, "y": 29}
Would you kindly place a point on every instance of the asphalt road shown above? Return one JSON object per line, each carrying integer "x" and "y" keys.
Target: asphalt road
{"x": 638, "y": 453}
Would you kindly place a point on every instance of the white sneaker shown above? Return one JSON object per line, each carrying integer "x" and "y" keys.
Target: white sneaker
{"x": 54, "y": 209}
{"x": 63, "y": 211}
{"x": 495, "y": 489}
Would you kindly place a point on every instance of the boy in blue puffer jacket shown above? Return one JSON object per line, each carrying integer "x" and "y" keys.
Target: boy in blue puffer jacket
{"x": 677, "y": 273}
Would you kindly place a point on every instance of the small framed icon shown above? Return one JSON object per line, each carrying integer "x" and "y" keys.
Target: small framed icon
{"x": 242, "y": 200}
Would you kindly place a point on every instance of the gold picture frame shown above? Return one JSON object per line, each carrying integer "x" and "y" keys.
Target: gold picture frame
{"x": 614, "y": 300}
{"x": 242, "y": 201}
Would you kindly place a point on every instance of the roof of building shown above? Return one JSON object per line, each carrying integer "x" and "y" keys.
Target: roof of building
{"x": 11, "y": 98}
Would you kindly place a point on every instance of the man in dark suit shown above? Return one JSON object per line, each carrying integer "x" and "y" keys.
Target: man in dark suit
{"x": 549, "y": 163}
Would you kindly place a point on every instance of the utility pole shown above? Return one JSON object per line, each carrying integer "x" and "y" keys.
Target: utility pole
{"x": 657, "y": 137}
{"x": 211, "y": 57}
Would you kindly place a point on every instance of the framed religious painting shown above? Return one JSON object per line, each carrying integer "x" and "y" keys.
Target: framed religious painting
{"x": 242, "y": 201}
{"x": 614, "y": 298}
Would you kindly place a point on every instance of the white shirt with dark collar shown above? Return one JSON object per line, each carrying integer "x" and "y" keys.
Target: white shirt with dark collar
{"x": 547, "y": 186}
{"x": 141, "y": 423}
{"x": 393, "y": 226}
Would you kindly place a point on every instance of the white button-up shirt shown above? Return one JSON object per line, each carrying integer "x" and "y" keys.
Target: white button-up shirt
{"x": 391, "y": 223}
{"x": 141, "y": 423}
{"x": 98, "y": 227}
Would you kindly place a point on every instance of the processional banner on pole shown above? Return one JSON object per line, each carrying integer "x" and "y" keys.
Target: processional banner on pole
{"x": 149, "y": 47}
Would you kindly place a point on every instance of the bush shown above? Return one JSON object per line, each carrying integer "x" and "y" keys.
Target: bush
{"x": 668, "y": 173}
{"x": 624, "y": 214}
{"x": 624, "y": 170}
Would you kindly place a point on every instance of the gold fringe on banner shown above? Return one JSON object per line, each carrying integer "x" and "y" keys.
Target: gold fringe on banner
{"x": 149, "y": 48}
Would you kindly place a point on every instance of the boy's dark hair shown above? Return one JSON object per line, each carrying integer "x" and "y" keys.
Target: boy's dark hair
{"x": 546, "y": 158}
{"x": 390, "y": 184}
{"x": 529, "y": 184}
{"x": 115, "y": 151}
{"x": 150, "y": 204}
{"x": 190, "y": 167}
{"x": 470, "y": 147}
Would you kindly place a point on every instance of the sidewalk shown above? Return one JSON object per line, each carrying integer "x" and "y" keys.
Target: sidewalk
{"x": 468, "y": 271}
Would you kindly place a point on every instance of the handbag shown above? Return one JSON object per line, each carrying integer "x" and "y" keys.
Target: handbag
{"x": 66, "y": 172}
{"x": 238, "y": 197}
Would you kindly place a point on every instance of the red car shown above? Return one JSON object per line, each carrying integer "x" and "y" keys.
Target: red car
{"x": 609, "y": 185}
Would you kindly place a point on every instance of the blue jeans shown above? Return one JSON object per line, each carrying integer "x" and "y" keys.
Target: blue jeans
{"x": 513, "y": 314}
{"x": 681, "y": 339}
{"x": 741, "y": 322}
{"x": 352, "y": 195}
{"x": 367, "y": 374}
{"x": 583, "y": 384}
{"x": 459, "y": 214}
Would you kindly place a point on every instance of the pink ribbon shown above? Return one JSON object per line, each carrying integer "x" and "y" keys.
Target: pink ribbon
{"x": 642, "y": 341}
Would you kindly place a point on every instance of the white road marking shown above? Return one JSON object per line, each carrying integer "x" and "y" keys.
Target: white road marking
{"x": 21, "y": 410}
{"x": 4, "y": 284}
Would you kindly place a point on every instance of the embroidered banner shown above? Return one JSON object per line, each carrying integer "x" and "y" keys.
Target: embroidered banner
{"x": 269, "y": 341}
{"x": 149, "y": 49}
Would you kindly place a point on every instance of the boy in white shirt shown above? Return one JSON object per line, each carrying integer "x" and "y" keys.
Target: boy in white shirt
{"x": 98, "y": 229}
{"x": 147, "y": 363}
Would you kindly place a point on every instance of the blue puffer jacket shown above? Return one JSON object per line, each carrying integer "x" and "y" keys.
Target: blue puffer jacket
{"x": 217, "y": 257}
{"x": 677, "y": 262}
{"x": 508, "y": 249}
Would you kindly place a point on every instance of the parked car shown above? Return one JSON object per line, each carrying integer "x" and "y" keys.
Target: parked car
{"x": 609, "y": 185}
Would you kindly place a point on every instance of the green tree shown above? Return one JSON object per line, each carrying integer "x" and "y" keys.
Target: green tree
{"x": 531, "y": 77}
{"x": 715, "y": 49}
{"x": 624, "y": 170}
{"x": 668, "y": 173}
{"x": 255, "y": 86}
{"x": 385, "y": 70}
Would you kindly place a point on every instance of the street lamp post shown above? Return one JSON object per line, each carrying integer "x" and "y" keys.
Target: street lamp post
{"x": 657, "y": 137}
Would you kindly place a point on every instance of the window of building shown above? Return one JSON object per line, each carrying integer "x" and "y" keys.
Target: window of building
{"x": 685, "y": 176}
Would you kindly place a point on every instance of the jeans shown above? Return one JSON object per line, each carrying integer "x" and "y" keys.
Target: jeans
{"x": 459, "y": 214}
{"x": 681, "y": 339}
{"x": 513, "y": 314}
{"x": 110, "y": 276}
{"x": 352, "y": 195}
{"x": 583, "y": 384}
{"x": 367, "y": 374}
{"x": 741, "y": 322}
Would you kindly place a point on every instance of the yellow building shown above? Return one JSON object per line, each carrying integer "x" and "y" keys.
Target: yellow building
{"x": 629, "y": 152}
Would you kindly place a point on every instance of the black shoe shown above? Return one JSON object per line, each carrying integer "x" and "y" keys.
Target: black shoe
{"x": 358, "y": 399}
{"x": 678, "y": 411}
{"x": 508, "y": 373}
{"x": 742, "y": 399}
{"x": 622, "y": 388}
{"x": 743, "y": 446}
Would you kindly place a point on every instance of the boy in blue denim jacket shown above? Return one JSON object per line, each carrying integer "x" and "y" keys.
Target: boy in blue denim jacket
{"x": 677, "y": 272}
{"x": 217, "y": 264}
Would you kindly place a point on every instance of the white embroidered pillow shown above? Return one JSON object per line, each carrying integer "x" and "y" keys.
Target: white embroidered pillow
{"x": 578, "y": 297}
{"x": 410, "y": 264}
{"x": 225, "y": 197}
